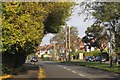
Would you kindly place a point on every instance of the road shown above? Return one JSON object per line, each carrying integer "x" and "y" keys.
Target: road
{"x": 62, "y": 70}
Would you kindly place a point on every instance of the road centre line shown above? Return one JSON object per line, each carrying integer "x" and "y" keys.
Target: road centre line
{"x": 64, "y": 67}
{"x": 68, "y": 69}
{"x": 81, "y": 74}
{"x": 91, "y": 79}
{"x": 73, "y": 71}
{"x": 60, "y": 66}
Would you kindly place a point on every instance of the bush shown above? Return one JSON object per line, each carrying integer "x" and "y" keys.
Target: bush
{"x": 96, "y": 53}
{"x": 92, "y": 53}
{"x": 6, "y": 70}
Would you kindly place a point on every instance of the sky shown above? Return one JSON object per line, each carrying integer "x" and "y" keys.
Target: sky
{"x": 75, "y": 20}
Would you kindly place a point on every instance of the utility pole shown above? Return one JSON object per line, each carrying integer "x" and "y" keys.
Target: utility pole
{"x": 111, "y": 49}
{"x": 66, "y": 44}
{"x": 110, "y": 44}
{"x": 69, "y": 46}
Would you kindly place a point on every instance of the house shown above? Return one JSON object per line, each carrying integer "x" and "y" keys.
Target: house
{"x": 82, "y": 45}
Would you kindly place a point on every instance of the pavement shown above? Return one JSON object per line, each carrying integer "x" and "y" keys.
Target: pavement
{"x": 63, "y": 71}
{"x": 31, "y": 72}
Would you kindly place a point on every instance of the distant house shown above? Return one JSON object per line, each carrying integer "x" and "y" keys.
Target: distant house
{"x": 81, "y": 46}
{"x": 86, "y": 46}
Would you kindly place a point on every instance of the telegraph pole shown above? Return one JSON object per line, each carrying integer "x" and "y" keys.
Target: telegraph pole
{"x": 111, "y": 49}
{"x": 69, "y": 46}
{"x": 66, "y": 45}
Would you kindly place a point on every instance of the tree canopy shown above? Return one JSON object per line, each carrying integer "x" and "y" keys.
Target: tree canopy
{"x": 60, "y": 38}
{"x": 105, "y": 13}
{"x": 25, "y": 23}
{"x": 96, "y": 33}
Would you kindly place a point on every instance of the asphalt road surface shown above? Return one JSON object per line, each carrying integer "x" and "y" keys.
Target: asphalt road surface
{"x": 57, "y": 70}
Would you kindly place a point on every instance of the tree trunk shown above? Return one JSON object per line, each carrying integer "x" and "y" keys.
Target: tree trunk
{"x": 110, "y": 60}
{"x": 69, "y": 58}
{"x": 101, "y": 56}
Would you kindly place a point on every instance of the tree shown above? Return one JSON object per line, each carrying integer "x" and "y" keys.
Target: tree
{"x": 60, "y": 38}
{"x": 24, "y": 25}
{"x": 106, "y": 12}
{"x": 99, "y": 38}
{"x": 59, "y": 13}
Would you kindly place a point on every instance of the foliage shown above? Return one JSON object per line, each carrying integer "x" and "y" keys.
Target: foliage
{"x": 98, "y": 35}
{"x": 60, "y": 38}
{"x": 20, "y": 25}
{"x": 94, "y": 53}
{"x": 105, "y": 12}
{"x": 6, "y": 70}
{"x": 23, "y": 27}
{"x": 88, "y": 54}
{"x": 59, "y": 13}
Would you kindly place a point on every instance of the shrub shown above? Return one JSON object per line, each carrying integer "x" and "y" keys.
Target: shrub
{"x": 6, "y": 70}
{"x": 88, "y": 54}
{"x": 93, "y": 53}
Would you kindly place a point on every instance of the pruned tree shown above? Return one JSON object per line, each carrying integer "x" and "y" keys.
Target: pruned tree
{"x": 24, "y": 25}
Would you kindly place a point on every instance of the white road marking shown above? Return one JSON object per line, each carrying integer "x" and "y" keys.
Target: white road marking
{"x": 81, "y": 74}
{"x": 68, "y": 69}
{"x": 64, "y": 67}
{"x": 60, "y": 66}
{"x": 73, "y": 71}
{"x": 91, "y": 79}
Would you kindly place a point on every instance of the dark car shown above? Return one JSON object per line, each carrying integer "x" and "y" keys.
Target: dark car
{"x": 119, "y": 60}
{"x": 89, "y": 58}
{"x": 98, "y": 59}
{"x": 115, "y": 59}
{"x": 34, "y": 59}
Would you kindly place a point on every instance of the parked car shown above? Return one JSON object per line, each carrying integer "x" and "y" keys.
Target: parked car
{"x": 34, "y": 59}
{"x": 115, "y": 59}
{"x": 118, "y": 60}
{"x": 98, "y": 59}
{"x": 103, "y": 59}
{"x": 89, "y": 58}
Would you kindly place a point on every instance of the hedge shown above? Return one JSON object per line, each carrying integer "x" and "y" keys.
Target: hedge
{"x": 93, "y": 53}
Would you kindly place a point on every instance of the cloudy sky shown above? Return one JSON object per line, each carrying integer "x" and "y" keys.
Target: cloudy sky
{"x": 75, "y": 20}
